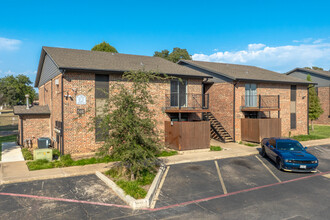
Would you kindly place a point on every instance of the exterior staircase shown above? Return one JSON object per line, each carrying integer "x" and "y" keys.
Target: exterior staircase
{"x": 218, "y": 132}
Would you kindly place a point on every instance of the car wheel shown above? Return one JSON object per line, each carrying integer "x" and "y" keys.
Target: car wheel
{"x": 263, "y": 152}
{"x": 279, "y": 164}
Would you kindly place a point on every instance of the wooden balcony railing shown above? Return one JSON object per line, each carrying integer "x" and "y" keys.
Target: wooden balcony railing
{"x": 186, "y": 102}
{"x": 260, "y": 102}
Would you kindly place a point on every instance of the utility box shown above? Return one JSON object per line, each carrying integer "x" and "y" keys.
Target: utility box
{"x": 39, "y": 154}
{"x": 43, "y": 142}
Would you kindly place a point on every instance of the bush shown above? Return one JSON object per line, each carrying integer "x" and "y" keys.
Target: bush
{"x": 215, "y": 148}
{"x": 27, "y": 154}
{"x": 40, "y": 164}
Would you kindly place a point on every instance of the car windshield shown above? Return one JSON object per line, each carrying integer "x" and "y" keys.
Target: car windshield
{"x": 290, "y": 146}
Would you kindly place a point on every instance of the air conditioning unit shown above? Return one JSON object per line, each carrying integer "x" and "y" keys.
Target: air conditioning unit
{"x": 44, "y": 142}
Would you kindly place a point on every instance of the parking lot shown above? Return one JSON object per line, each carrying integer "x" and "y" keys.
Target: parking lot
{"x": 193, "y": 181}
{"x": 234, "y": 188}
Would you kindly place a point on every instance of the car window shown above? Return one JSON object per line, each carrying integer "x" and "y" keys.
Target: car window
{"x": 289, "y": 146}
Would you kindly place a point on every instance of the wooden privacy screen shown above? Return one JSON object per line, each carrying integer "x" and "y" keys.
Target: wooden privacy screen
{"x": 254, "y": 129}
{"x": 187, "y": 135}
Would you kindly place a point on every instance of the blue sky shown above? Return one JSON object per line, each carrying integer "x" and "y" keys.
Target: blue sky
{"x": 277, "y": 35}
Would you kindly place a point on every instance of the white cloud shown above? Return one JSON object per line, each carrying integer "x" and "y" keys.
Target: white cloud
{"x": 280, "y": 58}
{"x": 305, "y": 40}
{"x": 9, "y": 44}
{"x": 256, "y": 46}
{"x": 317, "y": 41}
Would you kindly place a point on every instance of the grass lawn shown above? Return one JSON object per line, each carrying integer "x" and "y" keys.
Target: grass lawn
{"x": 215, "y": 148}
{"x": 11, "y": 138}
{"x": 320, "y": 132}
{"x": 66, "y": 161}
{"x": 136, "y": 188}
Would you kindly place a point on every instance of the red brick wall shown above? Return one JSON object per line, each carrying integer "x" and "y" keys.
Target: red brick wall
{"x": 221, "y": 104}
{"x": 324, "y": 95}
{"x": 41, "y": 95}
{"x": 284, "y": 90}
{"x": 77, "y": 138}
{"x": 35, "y": 126}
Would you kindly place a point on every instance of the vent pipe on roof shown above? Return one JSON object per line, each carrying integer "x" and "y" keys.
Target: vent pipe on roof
{"x": 27, "y": 101}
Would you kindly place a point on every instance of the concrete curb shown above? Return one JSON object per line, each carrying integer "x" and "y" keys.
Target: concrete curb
{"x": 135, "y": 203}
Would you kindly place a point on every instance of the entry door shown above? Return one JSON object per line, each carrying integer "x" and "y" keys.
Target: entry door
{"x": 250, "y": 95}
{"x": 178, "y": 93}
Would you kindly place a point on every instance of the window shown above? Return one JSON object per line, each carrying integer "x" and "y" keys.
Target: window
{"x": 101, "y": 95}
{"x": 250, "y": 95}
{"x": 178, "y": 93}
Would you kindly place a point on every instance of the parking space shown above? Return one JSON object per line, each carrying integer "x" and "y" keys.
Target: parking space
{"x": 194, "y": 181}
{"x": 43, "y": 206}
{"x": 189, "y": 181}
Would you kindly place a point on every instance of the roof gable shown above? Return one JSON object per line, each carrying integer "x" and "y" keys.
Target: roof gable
{"x": 317, "y": 72}
{"x": 244, "y": 72}
{"x": 86, "y": 60}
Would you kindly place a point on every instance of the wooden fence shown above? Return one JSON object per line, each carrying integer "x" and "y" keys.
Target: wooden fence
{"x": 187, "y": 135}
{"x": 255, "y": 129}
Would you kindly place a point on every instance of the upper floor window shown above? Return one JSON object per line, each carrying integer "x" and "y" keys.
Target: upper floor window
{"x": 250, "y": 95}
{"x": 178, "y": 93}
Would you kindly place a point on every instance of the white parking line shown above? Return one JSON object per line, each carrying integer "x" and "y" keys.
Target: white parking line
{"x": 220, "y": 178}
{"x": 153, "y": 203}
{"x": 271, "y": 172}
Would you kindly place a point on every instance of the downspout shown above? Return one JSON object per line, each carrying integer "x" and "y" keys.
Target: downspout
{"x": 234, "y": 106}
{"x": 62, "y": 128}
{"x": 21, "y": 118}
{"x": 308, "y": 110}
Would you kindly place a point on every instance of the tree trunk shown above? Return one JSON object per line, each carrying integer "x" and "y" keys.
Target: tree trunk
{"x": 312, "y": 125}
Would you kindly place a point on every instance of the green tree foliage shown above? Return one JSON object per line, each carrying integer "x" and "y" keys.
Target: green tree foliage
{"x": 14, "y": 88}
{"x": 128, "y": 125}
{"x": 314, "y": 68}
{"x": 104, "y": 46}
{"x": 315, "y": 109}
{"x": 176, "y": 55}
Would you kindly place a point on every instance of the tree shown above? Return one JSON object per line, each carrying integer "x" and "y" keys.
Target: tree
{"x": 104, "y": 46}
{"x": 315, "y": 109}
{"x": 314, "y": 68}
{"x": 176, "y": 55}
{"x": 128, "y": 125}
{"x": 14, "y": 89}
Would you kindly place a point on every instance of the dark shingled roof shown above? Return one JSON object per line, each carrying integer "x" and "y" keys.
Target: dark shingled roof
{"x": 318, "y": 72}
{"x": 33, "y": 110}
{"x": 72, "y": 59}
{"x": 244, "y": 72}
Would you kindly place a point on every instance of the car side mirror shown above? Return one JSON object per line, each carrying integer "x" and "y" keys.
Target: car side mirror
{"x": 305, "y": 148}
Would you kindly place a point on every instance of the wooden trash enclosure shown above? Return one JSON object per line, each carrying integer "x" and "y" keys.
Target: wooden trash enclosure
{"x": 255, "y": 129}
{"x": 187, "y": 135}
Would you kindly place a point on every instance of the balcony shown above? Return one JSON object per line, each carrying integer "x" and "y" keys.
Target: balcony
{"x": 186, "y": 103}
{"x": 260, "y": 103}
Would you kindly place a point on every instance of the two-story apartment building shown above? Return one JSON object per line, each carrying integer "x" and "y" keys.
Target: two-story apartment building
{"x": 322, "y": 78}
{"x": 239, "y": 102}
{"x": 249, "y": 103}
{"x": 73, "y": 85}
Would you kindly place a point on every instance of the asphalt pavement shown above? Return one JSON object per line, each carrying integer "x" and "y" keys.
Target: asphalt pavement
{"x": 235, "y": 188}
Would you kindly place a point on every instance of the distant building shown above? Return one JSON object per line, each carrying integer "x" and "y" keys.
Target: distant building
{"x": 322, "y": 78}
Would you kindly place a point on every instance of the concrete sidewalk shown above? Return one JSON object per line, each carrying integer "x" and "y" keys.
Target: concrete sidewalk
{"x": 11, "y": 152}
{"x": 228, "y": 150}
{"x": 14, "y": 172}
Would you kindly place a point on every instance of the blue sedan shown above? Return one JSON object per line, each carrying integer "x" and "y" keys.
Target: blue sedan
{"x": 289, "y": 155}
